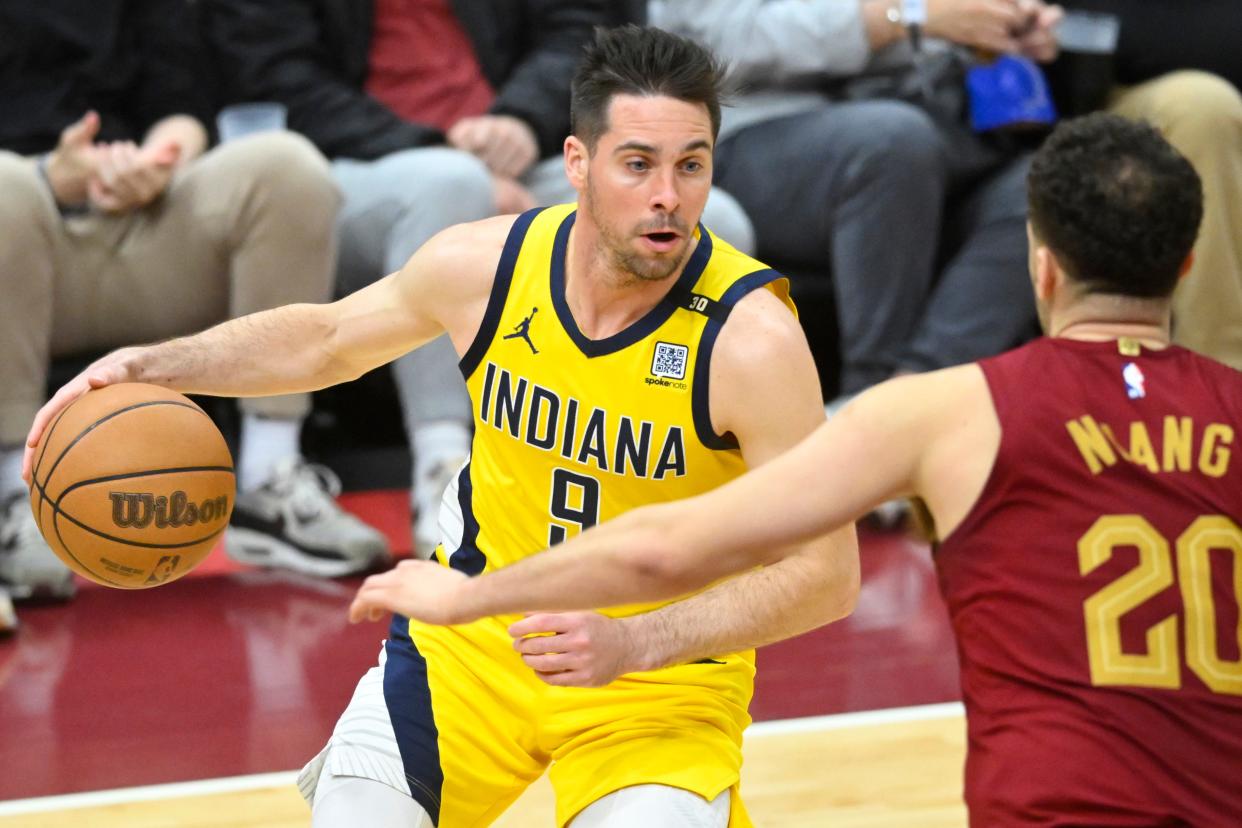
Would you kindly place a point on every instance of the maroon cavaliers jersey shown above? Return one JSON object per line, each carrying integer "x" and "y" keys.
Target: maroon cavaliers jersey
{"x": 1094, "y": 590}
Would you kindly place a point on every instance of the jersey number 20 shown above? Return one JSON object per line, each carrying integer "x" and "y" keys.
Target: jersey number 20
{"x": 1160, "y": 666}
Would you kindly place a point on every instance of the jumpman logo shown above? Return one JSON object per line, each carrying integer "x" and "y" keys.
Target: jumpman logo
{"x": 522, "y": 331}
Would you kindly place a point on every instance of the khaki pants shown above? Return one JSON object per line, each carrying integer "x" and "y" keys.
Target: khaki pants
{"x": 246, "y": 227}
{"x": 1201, "y": 115}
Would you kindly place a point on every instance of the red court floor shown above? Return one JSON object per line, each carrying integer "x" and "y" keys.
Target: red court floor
{"x": 234, "y": 671}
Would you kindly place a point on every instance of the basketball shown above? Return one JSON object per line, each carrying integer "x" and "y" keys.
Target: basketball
{"x": 132, "y": 485}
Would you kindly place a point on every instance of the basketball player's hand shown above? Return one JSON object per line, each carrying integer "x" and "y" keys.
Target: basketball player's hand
{"x": 107, "y": 370}
{"x": 1038, "y": 38}
{"x": 128, "y": 177}
{"x": 990, "y": 25}
{"x": 71, "y": 165}
{"x": 423, "y": 590}
{"x": 511, "y": 197}
{"x": 575, "y": 649}
{"x": 506, "y": 144}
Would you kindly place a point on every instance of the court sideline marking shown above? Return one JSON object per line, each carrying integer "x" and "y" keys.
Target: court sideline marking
{"x": 233, "y": 784}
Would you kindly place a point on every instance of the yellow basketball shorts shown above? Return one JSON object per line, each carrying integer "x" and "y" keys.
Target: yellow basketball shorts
{"x": 474, "y": 726}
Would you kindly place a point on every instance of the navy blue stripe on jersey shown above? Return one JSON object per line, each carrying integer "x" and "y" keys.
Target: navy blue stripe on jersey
{"x": 500, "y": 292}
{"x": 467, "y": 558}
{"x": 645, "y": 326}
{"x": 408, "y": 698}
{"x": 700, "y": 401}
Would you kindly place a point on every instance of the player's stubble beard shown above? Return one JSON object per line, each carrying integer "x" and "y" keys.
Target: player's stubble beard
{"x": 624, "y": 259}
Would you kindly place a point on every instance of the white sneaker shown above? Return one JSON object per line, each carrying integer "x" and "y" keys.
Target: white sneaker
{"x": 293, "y": 521}
{"x": 28, "y": 566}
{"x": 8, "y": 616}
{"x": 428, "y": 495}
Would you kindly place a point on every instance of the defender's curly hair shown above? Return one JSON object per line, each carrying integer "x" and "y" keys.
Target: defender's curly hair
{"x": 1116, "y": 203}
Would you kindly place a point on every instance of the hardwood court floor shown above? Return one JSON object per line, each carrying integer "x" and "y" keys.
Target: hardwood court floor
{"x": 841, "y": 771}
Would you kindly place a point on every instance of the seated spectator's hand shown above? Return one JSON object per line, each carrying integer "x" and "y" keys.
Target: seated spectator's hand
{"x": 511, "y": 197}
{"x": 71, "y": 165}
{"x": 1038, "y": 38}
{"x": 128, "y": 177}
{"x": 506, "y": 144}
{"x": 990, "y": 25}
{"x": 575, "y": 649}
{"x": 107, "y": 370}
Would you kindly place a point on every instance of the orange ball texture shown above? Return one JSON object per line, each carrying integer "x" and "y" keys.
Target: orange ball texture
{"x": 132, "y": 485}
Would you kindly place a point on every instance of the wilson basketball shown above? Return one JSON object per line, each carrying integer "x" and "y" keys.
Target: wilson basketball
{"x": 132, "y": 485}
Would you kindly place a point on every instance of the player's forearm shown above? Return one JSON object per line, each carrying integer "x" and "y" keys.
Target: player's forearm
{"x": 280, "y": 351}
{"x": 811, "y": 588}
{"x": 628, "y": 559}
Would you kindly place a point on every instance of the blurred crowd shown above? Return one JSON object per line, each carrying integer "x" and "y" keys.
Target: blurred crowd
{"x": 169, "y": 164}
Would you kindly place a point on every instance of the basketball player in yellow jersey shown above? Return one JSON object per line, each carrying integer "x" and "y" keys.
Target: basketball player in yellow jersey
{"x": 617, "y": 354}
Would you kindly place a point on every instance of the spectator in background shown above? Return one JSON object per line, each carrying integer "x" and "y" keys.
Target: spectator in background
{"x": 853, "y": 156}
{"x": 118, "y": 227}
{"x": 434, "y": 113}
{"x": 1179, "y": 66}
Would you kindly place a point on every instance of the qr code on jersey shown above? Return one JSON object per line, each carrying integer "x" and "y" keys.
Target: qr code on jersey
{"x": 670, "y": 361}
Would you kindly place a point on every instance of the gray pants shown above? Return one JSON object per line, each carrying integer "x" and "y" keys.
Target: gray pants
{"x": 921, "y": 228}
{"x": 244, "y": 228}
{"x": 396, "y": 203}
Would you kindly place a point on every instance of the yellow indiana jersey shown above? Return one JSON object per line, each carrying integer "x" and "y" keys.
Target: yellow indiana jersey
{"x": 571, "y": 431}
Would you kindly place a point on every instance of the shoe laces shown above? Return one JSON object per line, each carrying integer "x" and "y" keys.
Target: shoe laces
{"x": 310, "y": 487}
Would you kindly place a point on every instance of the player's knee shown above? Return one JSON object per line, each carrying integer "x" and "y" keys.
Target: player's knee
{"x": 654, "y": 806}
{"x": 346, "y": 801}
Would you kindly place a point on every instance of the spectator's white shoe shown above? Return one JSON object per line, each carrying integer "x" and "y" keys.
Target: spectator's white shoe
{"x": 293, "y": 522}
{"x": 8, "y": 615}
{"x": 428, "y": 495}
{"x": 28, "y": 566}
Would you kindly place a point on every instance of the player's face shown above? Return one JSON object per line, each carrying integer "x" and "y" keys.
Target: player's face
{"x": 647, "y": 181}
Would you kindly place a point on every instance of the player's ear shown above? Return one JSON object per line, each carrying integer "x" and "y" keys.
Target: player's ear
{"x": 1045, "y": 272}
{"x": 577, "y": 157}
{"x": 1186, "y": 265}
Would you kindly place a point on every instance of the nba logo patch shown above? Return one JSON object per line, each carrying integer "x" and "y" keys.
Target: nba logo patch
{"x": 1134, "y": 380}
{"x": 669, "y": 361}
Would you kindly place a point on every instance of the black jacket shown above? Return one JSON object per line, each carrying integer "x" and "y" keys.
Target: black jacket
{"x": 311, "y": 55}
{"x": 133, "y": 61}
{"x": 1160, "y": 36}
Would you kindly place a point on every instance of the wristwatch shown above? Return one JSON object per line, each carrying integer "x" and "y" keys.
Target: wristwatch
{"x": 911, "y": 14}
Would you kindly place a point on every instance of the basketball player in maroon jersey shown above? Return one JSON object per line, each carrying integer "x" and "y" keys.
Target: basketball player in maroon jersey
{"x": 1085, "y": 499}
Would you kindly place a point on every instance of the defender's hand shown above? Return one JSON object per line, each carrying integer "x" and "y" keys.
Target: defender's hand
{"x": 575, "y": 649}
{"x": 422, "y": 590}
{"x": 107, "y": 370}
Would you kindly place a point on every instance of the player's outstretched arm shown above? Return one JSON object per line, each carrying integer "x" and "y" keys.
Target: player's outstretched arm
{"x": 896, "y": 439}
{"x": 305, "y": 347}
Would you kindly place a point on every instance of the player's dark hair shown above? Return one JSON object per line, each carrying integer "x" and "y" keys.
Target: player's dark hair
{"x": 1116, "y": 203}
{"x": 637, "y": 60}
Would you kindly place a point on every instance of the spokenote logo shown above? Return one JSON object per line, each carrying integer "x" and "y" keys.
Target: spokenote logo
{"x": 668, "y": 365}
{"x": 522, "y": 331}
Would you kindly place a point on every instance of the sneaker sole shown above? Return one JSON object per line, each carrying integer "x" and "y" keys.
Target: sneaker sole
{"x": 258, "y": 549}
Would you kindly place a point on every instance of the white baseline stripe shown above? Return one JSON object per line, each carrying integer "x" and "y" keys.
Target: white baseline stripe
{"x": 232, "y": 784}
{"x": 149, "y": 793}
